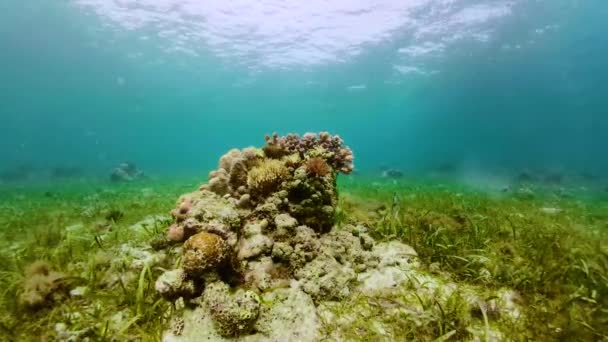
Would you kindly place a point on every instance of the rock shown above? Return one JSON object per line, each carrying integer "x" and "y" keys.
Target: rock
{"x": 525, "y": 193}
{"x": 326, "y": 279}
{"x": 302, "y": 248}
{"x": 380, "y": 279}
{"x": 207, "y": 206}
{"x": 259, "y": 274}
{"x": 140, "y": 257}
{"x": 233, "y": 314}
{"x": 395, "y": 263}
{"x": 261, "y": 220}
{"x": 254, "y": 246}
{"x": 126, "y": 172}
{"x": 551, "y": 211}
{"x": 79, "y": 291}
{"x": 149, "y": 223}
{"x": 395, "y": 253}
{"x": 291, "y": 317}
{"x": 174, "y": 284}
{"x": 255, "y": 228}
{"x": 244, "y": 201}
{"x": 285, "y": 221}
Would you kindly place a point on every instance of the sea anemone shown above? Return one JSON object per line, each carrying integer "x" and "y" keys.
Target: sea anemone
{"x": 317, "y": 167}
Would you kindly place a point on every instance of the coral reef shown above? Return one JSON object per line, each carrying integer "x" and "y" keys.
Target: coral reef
{"x": 261, "y": 248}
{"x": 262, "y": 220}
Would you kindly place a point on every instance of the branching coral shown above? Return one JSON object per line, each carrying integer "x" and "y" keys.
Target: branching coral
{"x": 340, "y": 157}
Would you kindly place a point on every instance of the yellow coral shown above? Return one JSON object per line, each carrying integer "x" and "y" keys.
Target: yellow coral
{"x": 319, "y": 152}
{"x": 266, "y": 177}
{"x": 292, "y": 159}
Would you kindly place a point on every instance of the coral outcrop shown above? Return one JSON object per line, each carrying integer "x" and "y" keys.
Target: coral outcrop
{"x": 262, "y": 220}
{"x": 261, "y": 250}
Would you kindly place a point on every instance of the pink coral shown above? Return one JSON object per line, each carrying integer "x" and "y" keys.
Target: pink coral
{"x": 340, "y": 157}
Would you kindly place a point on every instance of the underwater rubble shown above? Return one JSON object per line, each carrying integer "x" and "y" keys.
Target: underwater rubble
{"x": 263, "y": 260}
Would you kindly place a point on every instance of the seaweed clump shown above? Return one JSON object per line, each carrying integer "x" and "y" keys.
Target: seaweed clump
{"x": 42, "y": 286}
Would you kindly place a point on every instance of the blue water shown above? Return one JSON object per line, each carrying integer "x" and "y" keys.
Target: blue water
{"x": 172, "y": 84}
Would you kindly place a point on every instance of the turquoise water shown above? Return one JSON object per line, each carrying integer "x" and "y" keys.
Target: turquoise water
{"x": 484, "y": 86}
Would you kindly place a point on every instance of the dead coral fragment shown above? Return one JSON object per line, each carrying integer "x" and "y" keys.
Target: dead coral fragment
{"x": 266, "y": 178}
{"x": 233, "y": 314}
{"x": 317, "y": 167}
{"x": 174, "y": 284}
{"x": 203, "y": 251}
{"x": 42, "y": 286}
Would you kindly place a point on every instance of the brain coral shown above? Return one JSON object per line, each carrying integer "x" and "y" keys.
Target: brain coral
{"x": 203, "y": 251}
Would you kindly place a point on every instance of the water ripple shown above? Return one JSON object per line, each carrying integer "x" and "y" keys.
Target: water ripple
{"x": 284, "y": 34}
